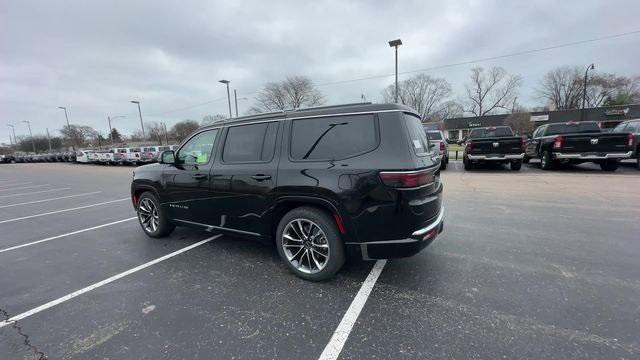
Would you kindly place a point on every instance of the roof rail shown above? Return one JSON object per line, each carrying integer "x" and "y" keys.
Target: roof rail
{"x": 331, "y": 106}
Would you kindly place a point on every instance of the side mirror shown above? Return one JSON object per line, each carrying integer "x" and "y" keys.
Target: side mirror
{"x": 168, "y": 157}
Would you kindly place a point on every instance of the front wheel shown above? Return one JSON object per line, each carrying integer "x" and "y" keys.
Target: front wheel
{"x": 309, "y": 244}
{"x": 516, "y": 165}
{"x": 609, "y": 165}
{"x": 152, "y": 217}
{"x": 443, "y": 164}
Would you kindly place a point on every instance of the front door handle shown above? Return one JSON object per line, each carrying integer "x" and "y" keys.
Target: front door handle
{"x": 200, "y": 176}
{"x": 261, "y": 177}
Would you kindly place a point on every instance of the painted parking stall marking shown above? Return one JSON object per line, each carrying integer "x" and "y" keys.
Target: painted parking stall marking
{"x": 67, "y": 234}
{"x": 51, "y": 199}
{"x": 61, "y": 211}
{"x": 23, "y": 187}
{"x": 35, "y": 192}
{"x": 111, "y": 279}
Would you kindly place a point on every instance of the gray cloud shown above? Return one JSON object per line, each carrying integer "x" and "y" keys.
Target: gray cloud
{"x": 96, "y": 56}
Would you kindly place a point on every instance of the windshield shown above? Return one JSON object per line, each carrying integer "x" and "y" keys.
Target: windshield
{"x": 434, "y": 135}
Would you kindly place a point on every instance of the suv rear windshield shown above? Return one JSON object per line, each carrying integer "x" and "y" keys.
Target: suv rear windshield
{"x": 434, "y": 135}
{"x": 569, "y": 128}
{"x": 333, "y": 138}
{"x": 417, "y": 137}
{"x": 490, "y": 132}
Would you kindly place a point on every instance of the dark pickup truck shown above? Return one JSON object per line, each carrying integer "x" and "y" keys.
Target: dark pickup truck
{"x": 493, "y": 144}
{"x": 632, "y": 127}
{"x": 578, "y": 142}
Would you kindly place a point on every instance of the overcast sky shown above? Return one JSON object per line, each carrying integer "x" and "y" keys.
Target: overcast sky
{"x": 96, "y": 56}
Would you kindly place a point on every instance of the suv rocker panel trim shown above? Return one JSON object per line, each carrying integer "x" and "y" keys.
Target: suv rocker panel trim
{"x": 214, "y": 227}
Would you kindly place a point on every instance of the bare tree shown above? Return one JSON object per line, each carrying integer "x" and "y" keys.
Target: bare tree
{"x": 491, "y": 91}
{"x": 519, "y": 122}
{"x": 183, "y": 128}
{"x": 155, "y": 131}
{"x": 293, "y": 93}
{"x": 450, "y": 109}
{"x": 425, "y": 94}
{"x": 210, "y": 119}
{"x": 77, "y": 135}
{"x": 562, "y": 87}
{"x": 603, "y": 89}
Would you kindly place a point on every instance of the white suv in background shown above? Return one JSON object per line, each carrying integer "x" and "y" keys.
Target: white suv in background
{"x": 437, "y": 137}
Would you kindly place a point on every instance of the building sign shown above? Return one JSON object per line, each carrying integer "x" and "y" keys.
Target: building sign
{"x": 474, "y": 124}
{"x": 616, "y": 112}
{"x": 536, "y": 118}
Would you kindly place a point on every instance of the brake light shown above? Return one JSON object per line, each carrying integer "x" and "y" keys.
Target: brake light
{"x": 442, "y": 146}
{"x": 558, "y": 141}
{"x": 524, "y": 143}
{"x": 469, "y": 145}
{"x": 407, "y": 179}
{"x": 629, "y": 139}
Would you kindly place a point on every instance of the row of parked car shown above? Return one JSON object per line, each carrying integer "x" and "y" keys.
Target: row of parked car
{"x": 114, "y": 156}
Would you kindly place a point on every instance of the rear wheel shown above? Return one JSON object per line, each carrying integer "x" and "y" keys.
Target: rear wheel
{"x": 309, "y": 244}
{"x": 525, "y": 160}
{"x": 152, "y": 217}
{"x": 468, "y": 165}
{"x": 609, "y": 165}
{"x": 546, "y": 162}
{"x": 516, "y": 165}
{"x": 443, "y": 164}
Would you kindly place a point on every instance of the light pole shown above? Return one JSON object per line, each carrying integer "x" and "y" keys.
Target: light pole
{"x": 235, "y": 98}
{"x": 66, "y": 115}
{"x": 13, "y": 129}
{"x": 31, "y": 134}
{"x": 395, "y": 44}
{"x": 584, "y": 90}
{"x": 226, "y": 82}
{"x": 49, "y": 138}
{"x": 140, "y": 113}
{"x": 109, "y": 118}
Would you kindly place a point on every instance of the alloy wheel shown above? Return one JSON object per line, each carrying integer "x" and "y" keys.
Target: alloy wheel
{"x": 148, "y": 214}
{"x": 305, "y": 246}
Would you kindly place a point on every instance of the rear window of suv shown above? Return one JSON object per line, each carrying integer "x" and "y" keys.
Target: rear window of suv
{"x": 417, "y": 136}
{"x": 434, "y": 135}
{"x": 333, "y": 138}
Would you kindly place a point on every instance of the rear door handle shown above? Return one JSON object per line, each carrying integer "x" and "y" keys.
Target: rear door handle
{"x": 200, "y": 176}
{"x": 261, "y": 177}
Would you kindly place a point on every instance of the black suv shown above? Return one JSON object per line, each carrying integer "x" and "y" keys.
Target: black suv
{"x": 320, "y": 183}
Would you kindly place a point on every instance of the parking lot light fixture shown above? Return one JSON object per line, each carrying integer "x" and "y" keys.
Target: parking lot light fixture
{"x": 66, "y": 116}
{"x": 110, "y": 119}
{"x": 226, "y": 82}
{"x": 33, "y": 143}
{"x": 394, "y": 44}
{"x": 584, "y": 91}
{"x": 140, "y": 113}
{"x": 13, "y": 130}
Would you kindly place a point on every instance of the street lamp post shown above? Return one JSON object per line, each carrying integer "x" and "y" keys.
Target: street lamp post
{"x": 31, "y": 134}
{"x": 584, "y": 91}
{"x": 109, "y": 118}
{"x": 140, "y": 113}
{"x": 13, "y": 129}
{"x": 226, "y": 82}
{"x": 66, "y": 115}
{"x": 235, "y": 98}
{"x": 49, "y": 138}
{"x": 395, "y": 44}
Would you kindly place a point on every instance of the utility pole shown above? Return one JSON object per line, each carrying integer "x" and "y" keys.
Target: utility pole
{"x": 166, "y": 136}
{"x": 15, "y": 140}
{"x": 584, "y": 91}
{"x": 49, "y": 138}
{"x": 395, "y": 44}
{"x": 33, "y": 143}
{"x": 235, "y": 97}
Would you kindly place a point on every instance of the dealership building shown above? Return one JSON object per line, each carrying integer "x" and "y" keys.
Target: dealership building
{"x": 607, "y": 117}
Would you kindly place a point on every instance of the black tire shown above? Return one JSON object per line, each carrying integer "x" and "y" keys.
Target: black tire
{"x": 609, "y": 165}
{"x": 525, "y": 160}
{"x": 164, "y": 227}
{"x": 516, "y": 165}
{"x": 468, "y": 165}
{"x": 546, "y": 162}
{"x": 443, "y": 164}
{"x": 308, "y": 217}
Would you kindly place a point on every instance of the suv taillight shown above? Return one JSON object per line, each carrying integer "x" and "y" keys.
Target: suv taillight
{"x": 629, "y": 139}
{"x": 524, "y": 143}
{"x": 469, "y": 145}
{"x": 442, "y": 146}
{"x": 558, "y": 141}
{"x": 408, "y": 179}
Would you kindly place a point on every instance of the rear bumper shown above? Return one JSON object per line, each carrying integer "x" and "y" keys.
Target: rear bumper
{"x": 626, "y": 155}
{"x": 496, "y": 158}
{"x": 388, "y": 249}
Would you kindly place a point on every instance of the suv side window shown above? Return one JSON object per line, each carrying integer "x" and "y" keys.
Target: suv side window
{"x": 250, "y": 143}
{"x": 198, "y": 150}
{"x": 333, "y": 138}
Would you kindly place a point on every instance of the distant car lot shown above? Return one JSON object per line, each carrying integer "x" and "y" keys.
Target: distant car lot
{"x": 532, "y": 264}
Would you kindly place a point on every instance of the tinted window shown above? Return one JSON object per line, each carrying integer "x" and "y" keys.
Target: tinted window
{"x": 568, "y": 128}
{"x": 135, "y": 150}
{"x": 250, "y": 143}
{"x": 163, "y": 148}
{"x": 198, "y": 150}
{"x": 417, "y": 137}
{"x": 434, "y": 135}
{"x": 333, "y": 138}
{"x": 490, "y": 132}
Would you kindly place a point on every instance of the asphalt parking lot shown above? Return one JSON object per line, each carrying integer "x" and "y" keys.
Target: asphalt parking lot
{"x": 531, "y": 264}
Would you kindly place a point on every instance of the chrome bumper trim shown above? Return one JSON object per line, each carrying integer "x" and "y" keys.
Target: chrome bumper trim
{"x": 431, "y": 226}
{"x": 626, "y": 155}
{"x": 496, "y": 158}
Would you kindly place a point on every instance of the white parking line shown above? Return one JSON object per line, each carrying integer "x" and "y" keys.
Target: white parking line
{"x": 339, "y": 338}
{"x": 14, "y": 183}
{"x": 70, "y": 296}
{"x": 34, "y": 192}
{"x": 51, "y": 199}
{"x": 61, "y": 211}
{"x": 24, "y": 187}
{"x": 67, "y": 234}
